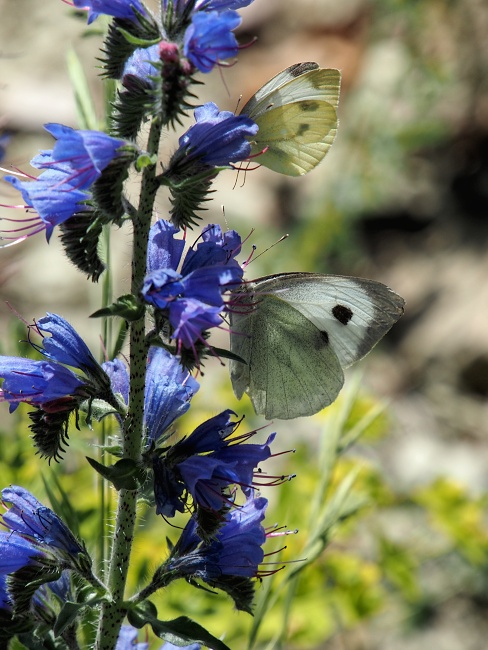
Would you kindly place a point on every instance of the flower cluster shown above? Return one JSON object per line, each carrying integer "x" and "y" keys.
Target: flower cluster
{"x": 71, "y": 169}
{"x": 190, "y": 300}
{"x": 230, "y": 561}
{"x": 35, "y": 548}
{"x": 54, "y": 390}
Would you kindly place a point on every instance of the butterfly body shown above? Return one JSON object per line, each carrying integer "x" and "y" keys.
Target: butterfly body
{"x": 296, "y": 112}
{"x": 297, "y": 331}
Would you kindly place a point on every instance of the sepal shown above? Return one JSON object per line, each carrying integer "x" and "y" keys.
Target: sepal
{"x": 23, "y": 583}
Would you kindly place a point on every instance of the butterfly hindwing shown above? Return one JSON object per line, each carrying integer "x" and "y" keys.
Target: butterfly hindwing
{"x": 297, "y": 137}
{"x": 290, "y": 369}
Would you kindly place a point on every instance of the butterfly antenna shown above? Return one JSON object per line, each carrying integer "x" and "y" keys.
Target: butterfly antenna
{"x": 282, "y": 238}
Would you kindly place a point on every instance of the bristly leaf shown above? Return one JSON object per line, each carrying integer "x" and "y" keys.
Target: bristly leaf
{"x": 127, "y": 307}
{"x": 108, "y": 188}
{"x": 124, "y": 475}
{"x": 117, "y": 49}
{"x": 80, "y": 235}
{"x": 50, "y": 428}
{"x": 188, "y": 194}
{"x": 133, "y": 106}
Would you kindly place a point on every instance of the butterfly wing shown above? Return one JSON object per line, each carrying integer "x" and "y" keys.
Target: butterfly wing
{"x": 297, "y": 117}
{"x": 296, "y": 331}
{"x": 295, "y": 137}
{"x": 290, "y": 369}
{"x": 356, "y": 313}
{"x": 302, "y": 81}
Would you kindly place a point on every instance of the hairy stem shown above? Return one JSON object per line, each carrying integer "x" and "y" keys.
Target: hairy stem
{"x": 114, "y": 611}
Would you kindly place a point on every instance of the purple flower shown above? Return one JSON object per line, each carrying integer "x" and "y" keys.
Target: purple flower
{"x": 204, "y": 465}
{"x": 193, "y": 298}
{"x": 218, "y": 138}
{"x": 76, "y": 162}
{"x": 124, "y": 9}
{"x": 209, "y": 39}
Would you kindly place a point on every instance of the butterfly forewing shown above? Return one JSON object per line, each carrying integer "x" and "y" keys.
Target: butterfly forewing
{"x": 282, "y": 78}
{"x": 356, "y": 313}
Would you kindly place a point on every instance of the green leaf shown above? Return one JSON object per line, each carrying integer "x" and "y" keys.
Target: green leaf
{"x": 124, "y": 475}
{"x": 134, "y": 40}
{"x": 180, "y": 631}
{"x": 67, "y": 616}
{"x": 87, "y": 118}
{"x": 127, "y": 307}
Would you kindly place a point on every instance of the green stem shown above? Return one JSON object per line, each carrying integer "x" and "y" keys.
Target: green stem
{"x": 113, "y": 612}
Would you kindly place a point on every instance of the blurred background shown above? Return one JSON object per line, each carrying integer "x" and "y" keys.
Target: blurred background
{"x": 402, "y": 198}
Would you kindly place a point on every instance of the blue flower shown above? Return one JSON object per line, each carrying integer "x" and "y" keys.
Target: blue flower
{"x": 124, "y": 9}
{"x": 36, "y": 382}
{"x": 55, "y": 198}
{"x": 169, "y": 389}
{"x": 204, "y": 465}
{"x": 36, "y": 547}
{"x": 54, "y": 390}
{"x": 231, "y": 560}
{"x": 209, "y": 39}
{"x": 17, "y": 552}
{"x": 119, "y": 378}
{"x": 141, "y": 64}
{"x": 128, "y": 639}
{"x": 65, "y": 345}
{"x": 218, "y": 138}
{"x": 27, "y": 516}
{"x": 191, "y": 299}
{"x": 72, "y": 167}
{"x": 85, "y": 154}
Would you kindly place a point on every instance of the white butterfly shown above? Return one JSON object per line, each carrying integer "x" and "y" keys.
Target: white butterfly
{"x": 297, "y": 331}
{"x": 297, "y": 117}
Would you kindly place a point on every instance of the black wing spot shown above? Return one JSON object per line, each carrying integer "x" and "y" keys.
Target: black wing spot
{"x": 342, "y": 313}
{"x": 325, "y": 337}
